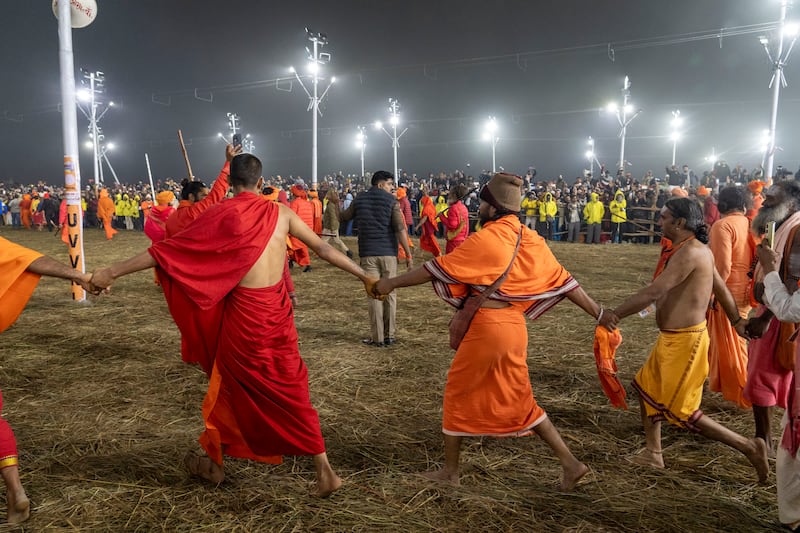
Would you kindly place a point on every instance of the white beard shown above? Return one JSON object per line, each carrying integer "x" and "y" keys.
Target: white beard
{"x": 777, "y": 214}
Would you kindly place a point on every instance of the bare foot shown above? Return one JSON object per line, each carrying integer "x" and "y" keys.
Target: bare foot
{"x": 571, "y": 476}
{"x": 327, "y": 484}
{"x": 19, "y": 507}
{"x": 442, "y": 476}
{"x": 758, "y": 457}
{"x": 646, "y": 457}
{"x": 202, "y": 466}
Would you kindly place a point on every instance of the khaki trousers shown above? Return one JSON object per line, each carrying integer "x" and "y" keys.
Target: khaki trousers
{"x": 381, "y": 313}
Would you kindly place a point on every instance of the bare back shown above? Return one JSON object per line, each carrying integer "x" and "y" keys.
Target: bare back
{"x": 689, "y": 282}
{"x": 268, "y": 269}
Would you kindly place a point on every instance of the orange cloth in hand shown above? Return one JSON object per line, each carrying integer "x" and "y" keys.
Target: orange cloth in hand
{"x": 605, "y": 348}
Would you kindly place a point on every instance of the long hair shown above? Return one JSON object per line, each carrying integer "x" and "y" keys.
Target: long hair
{"x": 191, "y": 187}
{"x": 691, "y": 213}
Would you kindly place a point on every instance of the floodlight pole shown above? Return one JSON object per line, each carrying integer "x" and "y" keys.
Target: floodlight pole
{"x": 491, "y": 128}
{"x": 317, "y": 58}
{"x": 779, "y": 62}
{"x": 361, "y": 139}
{"x": 394, "y": 118}
{"x": 624, "y": 121}
{"x": 592, "y": 156}
{"x": 676, "y": 120}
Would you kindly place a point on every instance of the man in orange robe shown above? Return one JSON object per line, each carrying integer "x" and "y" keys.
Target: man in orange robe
{"x": 317, "y": 205}
{"x": 20, "y": 270}
{"x": 304, "y": 210}
{"x": 105, "y": 212}
{"x": 427, "y": 219}
{"x": 733, "y": 248}
{"x": 25, "y": 214}
{"x": 488, "y": 390}
{"x": 232, "y": 258}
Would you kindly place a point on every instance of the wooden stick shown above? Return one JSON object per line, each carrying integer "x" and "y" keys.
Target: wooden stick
{"x": 185, "y": 156}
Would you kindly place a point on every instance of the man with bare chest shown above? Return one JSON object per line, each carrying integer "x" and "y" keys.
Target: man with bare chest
{"x": 670, "y": 384}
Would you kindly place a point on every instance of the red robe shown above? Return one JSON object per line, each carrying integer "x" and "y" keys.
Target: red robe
{"x": 257, "y": 405}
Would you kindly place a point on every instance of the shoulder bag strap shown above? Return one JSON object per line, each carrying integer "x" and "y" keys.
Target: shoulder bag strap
{"x": 496, "y": 285}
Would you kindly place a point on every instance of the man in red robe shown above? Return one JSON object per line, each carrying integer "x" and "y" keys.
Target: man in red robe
{"x": 232, "y": 257}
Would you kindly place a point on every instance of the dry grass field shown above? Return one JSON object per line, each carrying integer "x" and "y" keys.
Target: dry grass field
{"x": 104, "y": 411}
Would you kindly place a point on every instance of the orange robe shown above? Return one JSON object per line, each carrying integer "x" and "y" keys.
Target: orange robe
{"x": 305, "y": 210}
{"x": 16, "y": 283}
{"x": 427, "y": 240}
{"x": 733, "y": 251}
{"x": 488, "y": 390}
{"x": 105, "y": 212}
{"x": 16, "y": 287}
{"x": 25, "y": 210}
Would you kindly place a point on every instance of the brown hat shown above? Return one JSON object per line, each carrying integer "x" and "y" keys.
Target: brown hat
{"x": 503, "y": 191}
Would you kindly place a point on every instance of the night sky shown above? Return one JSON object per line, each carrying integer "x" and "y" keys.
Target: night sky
{"x": 438, "y": 58}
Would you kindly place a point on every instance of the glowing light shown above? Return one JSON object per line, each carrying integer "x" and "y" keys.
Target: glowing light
{"x": 89, "y": 144}
{"x": 675, "y": 136}
{"x": 84, "y": 96}
{"x": 628, "y": 108}
{"x": 292, "y": 70}
{"x": 313, "y": 68}
{"x": 612, "y": 107}
{"x": 394, "y": 120}
{"x": 378, "y": 125}
{"x": 791, "y": 29}
{"x": 111, "y": 146}
{"x": 333, "y": 79}
{"x": 589, "y": 154}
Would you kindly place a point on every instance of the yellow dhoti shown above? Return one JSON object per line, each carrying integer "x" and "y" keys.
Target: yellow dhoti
{"x": 671, "y": 381}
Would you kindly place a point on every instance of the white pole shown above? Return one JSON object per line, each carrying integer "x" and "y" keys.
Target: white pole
{"x": 105, "y": 158}
{"x": 494, "y": 159}
{"x": 69, "y": 128}
{"x": 363, "y": 147}
{"x": 624, "y": 124}
{"x": 150, "y": 175}
{"x": 777, "y": 80}
{"x": 98, "y": 168}
{"x": 314, "y": 111}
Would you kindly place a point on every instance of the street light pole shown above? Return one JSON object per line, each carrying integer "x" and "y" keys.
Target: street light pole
{"x": 490, "y": 134}
{"x": 623, "y": 119}
{"x": 394, "y": 120}
{"x": 675, "y": 135}
{"x": 361, "y": 143}
{"x": 778, "y": 79}
{"x": 590, "y": 155}
{"x": 316, "y": 58}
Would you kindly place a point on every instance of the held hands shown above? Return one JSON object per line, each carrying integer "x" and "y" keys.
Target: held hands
{"x": 767, "y": 257}
{"x": 608, "y": 319}
{"x": 85, "y": 281}
{"x": 370, "y": 285}
{"x": 754, "y": 327}
{"x": 101, "y": 280}
{"x": 741, "y": 328}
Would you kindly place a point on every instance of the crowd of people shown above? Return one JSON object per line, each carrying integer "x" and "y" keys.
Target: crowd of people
{"x": 601, "y": 209}
{"x": 724, "y": 303}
